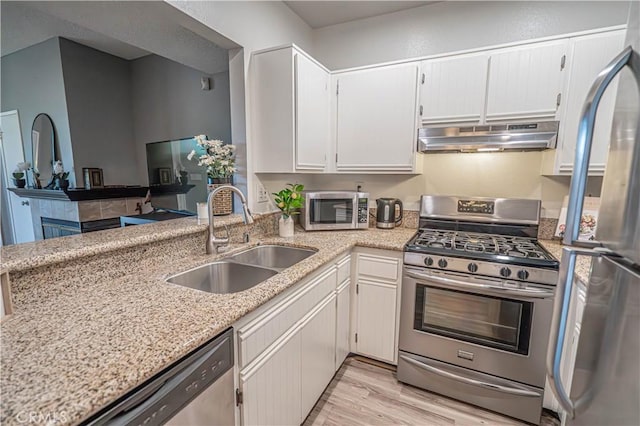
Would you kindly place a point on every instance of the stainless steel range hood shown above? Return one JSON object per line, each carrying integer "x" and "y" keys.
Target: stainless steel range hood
{"x": 490, "y": 137}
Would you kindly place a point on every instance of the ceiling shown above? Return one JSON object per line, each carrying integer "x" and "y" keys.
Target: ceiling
{"x": 129, "y": 30}
{"x": 324, "y": 13}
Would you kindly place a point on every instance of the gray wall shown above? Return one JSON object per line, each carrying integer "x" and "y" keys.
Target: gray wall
{"x": 32, "y": 83}
{"x": 168, "y": 104}
{"x": 452, "y": 26}
{"x": 98, "y": 92}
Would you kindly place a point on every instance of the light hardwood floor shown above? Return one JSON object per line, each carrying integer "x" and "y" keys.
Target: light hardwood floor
{"x": 366, "y": 394}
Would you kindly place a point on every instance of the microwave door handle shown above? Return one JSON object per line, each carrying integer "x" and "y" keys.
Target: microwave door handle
{"x": 494, "y": 289}
{"x": 468, "y": 380}
{"x": 583, "y": 148}
{"x": 557, "y": 336}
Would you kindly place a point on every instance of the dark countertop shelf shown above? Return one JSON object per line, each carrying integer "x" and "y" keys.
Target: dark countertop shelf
{"x": 81, "y": 194}
{"x": 175, "y": 188}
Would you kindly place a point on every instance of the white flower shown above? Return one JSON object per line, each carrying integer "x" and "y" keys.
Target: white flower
{"x": 191, "y": 154}
{"x": 57, "y": 167}
{"x": 23, "y": 166}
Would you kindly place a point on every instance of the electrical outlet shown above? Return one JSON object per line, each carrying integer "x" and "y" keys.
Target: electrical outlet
{"x": 263, "y": 196}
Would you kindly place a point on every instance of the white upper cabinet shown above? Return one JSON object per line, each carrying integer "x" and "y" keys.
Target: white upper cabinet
{"x": 588, "y": 56}
{"x": 453, "y": 89}
{"x": 376, "y": 119}
{"x": 290, "y": 111}
{"x": 525, "y": 82}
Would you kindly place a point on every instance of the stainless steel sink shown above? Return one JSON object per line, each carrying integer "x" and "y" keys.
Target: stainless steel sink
{"x": 272, "y": 256}
{"x": 223, "y": 277}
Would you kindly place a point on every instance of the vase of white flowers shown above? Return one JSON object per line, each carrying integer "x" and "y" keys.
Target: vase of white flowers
{"x": 219, "y": 160}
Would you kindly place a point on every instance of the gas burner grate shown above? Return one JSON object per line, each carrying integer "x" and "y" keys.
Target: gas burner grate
{"x": 473, "y": 243}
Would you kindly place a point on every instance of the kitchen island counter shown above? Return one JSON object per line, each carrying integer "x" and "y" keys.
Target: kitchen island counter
{"x": 68, "y": 353}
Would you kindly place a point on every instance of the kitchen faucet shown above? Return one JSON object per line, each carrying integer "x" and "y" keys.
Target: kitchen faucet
{"x": 214, "y": 245}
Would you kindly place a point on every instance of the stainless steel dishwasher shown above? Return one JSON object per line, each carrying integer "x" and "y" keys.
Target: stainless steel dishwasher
{"x": 197, "y": 390}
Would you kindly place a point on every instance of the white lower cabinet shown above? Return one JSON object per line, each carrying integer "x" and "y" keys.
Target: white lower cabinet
{"x": 376, "y": 320}
{"x": 342, "y": 323}
{"x": 317, "y": 353}
{"x": 271, "y": 386}
{"x": 286, "y": 353}
{"x": 376, "y": 306}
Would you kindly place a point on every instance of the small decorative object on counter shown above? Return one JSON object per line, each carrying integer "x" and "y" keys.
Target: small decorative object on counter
{"x": 93, "y": 178}
{"x": 219, "y": 160}
{"x": 20, "y": 173}
{"x": 59, "y": 180}
{"x": 183, "y": 177}
{"x": 289, "y": 200}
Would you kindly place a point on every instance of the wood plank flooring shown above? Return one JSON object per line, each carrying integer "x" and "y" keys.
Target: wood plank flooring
{"x": 366, "y": 394}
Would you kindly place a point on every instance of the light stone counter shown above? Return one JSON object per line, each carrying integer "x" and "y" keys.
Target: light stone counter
{"x": 583, "y": 264}
{"x": 77, "y": 343}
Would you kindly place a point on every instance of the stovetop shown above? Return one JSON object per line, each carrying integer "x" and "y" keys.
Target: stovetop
{"x": 507, "y": 249}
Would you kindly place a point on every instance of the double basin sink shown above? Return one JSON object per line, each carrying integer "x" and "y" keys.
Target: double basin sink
{"x": 242, "y": 270}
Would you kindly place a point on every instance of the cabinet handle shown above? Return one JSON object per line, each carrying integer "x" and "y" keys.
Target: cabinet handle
{"x": 422, "y": 78}
{"x": 421, "y": 109}
{"x": 563, "y": 62}
{"x": 24, "y": 203}
{"x": 558, "y": 100}
{"x": 583, "y": 147}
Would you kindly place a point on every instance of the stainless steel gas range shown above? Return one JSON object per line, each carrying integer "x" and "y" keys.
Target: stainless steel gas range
{"x": 477, "y": 301}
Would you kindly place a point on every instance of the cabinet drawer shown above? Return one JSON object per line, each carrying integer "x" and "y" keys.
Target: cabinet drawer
{"x": 344, "y": 269}
{"x": 378, "y": 267}
{"x": 260, "y": 333}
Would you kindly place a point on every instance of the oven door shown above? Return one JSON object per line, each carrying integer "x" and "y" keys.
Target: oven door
{"x": 477, "y": 323}
{"x": 331, "y": 211}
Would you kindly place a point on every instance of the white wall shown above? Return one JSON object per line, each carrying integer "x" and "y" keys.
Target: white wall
{"x": 254, "y": 25}
{"x": 452, "y": 26}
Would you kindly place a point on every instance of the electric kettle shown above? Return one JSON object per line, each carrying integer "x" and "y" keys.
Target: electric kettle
{"x": 386, "y": 216}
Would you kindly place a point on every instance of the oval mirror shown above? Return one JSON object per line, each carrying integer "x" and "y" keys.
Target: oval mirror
{"x": 43, "y": 141}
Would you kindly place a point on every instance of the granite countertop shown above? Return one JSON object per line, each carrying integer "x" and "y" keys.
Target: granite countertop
{"x": 583, "y": 263}
{"x": 73, "y": 353}
{"x": 46, "y": 252}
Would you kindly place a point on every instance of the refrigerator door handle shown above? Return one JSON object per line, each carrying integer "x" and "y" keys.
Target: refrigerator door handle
{"x": 559, "y": 328}
{"x": 583, "y": 147}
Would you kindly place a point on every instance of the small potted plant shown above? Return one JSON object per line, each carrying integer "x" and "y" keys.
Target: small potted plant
{"x": 19, "y": 174}
{"x": 289, "y": 200}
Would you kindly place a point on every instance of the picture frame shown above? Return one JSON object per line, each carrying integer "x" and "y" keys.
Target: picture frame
{"x": 93, "y": 178}
{"x": 165, "y": 176}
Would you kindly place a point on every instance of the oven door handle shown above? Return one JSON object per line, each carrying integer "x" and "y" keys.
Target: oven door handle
{"x": 469, "y": 381}
{"x": 448, "y": 282}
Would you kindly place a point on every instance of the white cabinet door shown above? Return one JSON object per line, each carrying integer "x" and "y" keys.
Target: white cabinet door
{"x": 19, "y": 213}
{"x": 271, "y": 386}
{"x": 454, "y": 89}
{"x": 312, "y": 114}
{"x": 376, "y": 119}
{"x": 589, "y": 55}
{"x": 290, "y": 111}
{"x": 525, "y": 81}
{"x": 342, "y": 323}
{"x": 376, "y": 320}
{"x": 317, "y": 356}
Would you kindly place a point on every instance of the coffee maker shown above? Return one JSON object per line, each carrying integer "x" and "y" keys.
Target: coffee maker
{"x": 389, "y": 213}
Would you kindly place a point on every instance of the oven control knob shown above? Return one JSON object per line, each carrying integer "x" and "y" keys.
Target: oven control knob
{"x": 505, "y": 272}
{"x": 472, "y": 267}
{"x": 442, "y": 263}
{"x": 428, "y": 261}
{"x": 523, "y": 274}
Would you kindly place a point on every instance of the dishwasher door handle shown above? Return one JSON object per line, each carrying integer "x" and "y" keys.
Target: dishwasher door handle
{"x": 140, "y": 406}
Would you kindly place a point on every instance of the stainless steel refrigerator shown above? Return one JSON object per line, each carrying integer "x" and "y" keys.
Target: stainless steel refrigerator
{"x": 605, "y": 389}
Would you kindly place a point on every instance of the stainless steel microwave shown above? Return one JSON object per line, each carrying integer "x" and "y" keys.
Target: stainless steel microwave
{"x": 330, "y": 210}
